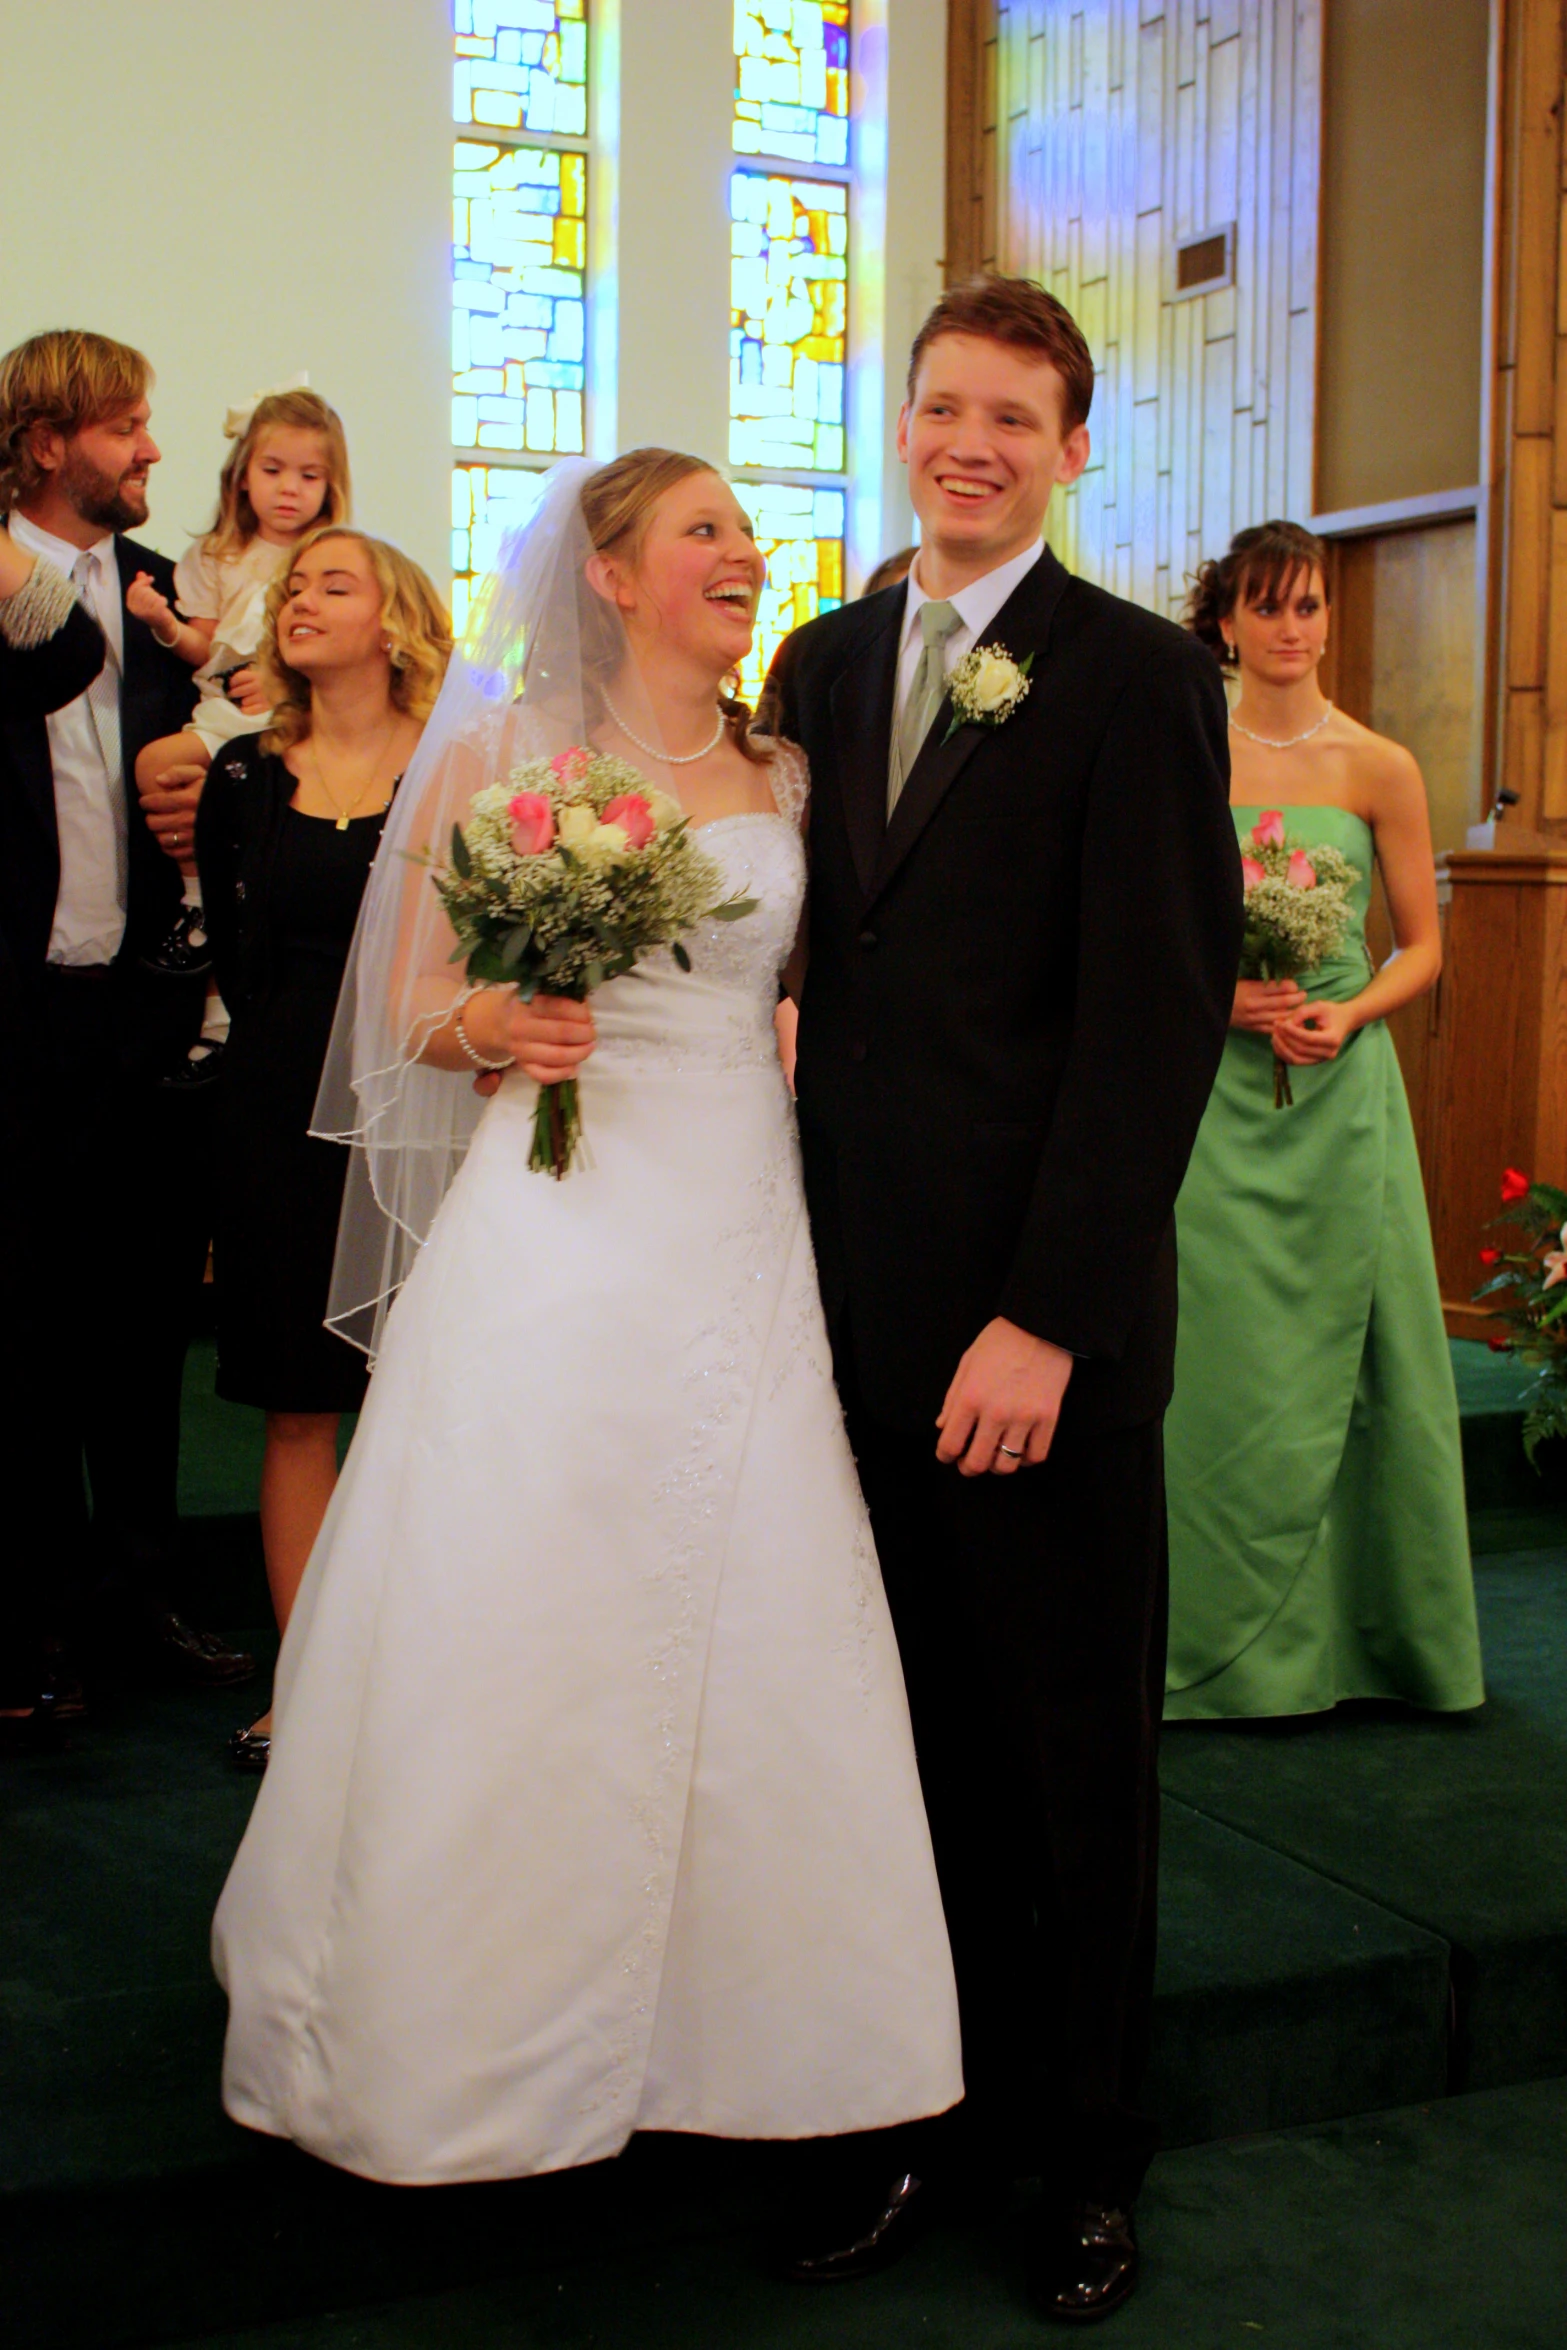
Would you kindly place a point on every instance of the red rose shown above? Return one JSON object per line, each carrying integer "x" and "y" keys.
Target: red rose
{"x": 1252, "y": 872}
{"x": 532, "y": 823}
{"x": 634, "y": 816}
{"x": 1514, "y": 1186}
{"x": 1300, "y": 872}
{"x": 1498, "y": 1346}
{"x": 1269, "y": 832}
{"x": 1489, "y": 1256}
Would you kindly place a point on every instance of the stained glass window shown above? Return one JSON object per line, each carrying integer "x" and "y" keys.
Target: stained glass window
{"x": 800, "y": 531}
{"x": 522, "y": 65}
{"x": 792, "y": 79}
{"x": 487, "y": 502}
{"x": 789, "y": 321}
{"x": 519, "y": 313}
{"x": 519, "y": 264}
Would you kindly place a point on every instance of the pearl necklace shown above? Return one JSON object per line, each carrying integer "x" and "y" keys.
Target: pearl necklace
{"x": 1268, "y": 742}
{"x": 688, "y": 759}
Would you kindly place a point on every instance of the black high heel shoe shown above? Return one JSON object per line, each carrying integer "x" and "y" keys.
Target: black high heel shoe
{"x": 249, "y": 1750}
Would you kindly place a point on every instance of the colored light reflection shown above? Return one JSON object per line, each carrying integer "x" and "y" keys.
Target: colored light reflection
{"x": 519, "y": 309}
{"x": 488, "y": 502}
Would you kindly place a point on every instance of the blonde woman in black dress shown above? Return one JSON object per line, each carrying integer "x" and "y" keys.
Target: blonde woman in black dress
{"x": 355, "y": 651}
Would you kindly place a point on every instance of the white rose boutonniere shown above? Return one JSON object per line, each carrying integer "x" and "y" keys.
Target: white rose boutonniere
{"x": 986, "y": 687}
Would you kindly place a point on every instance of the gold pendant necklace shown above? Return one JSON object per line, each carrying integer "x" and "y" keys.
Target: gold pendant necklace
{"x": 345, "y": 815}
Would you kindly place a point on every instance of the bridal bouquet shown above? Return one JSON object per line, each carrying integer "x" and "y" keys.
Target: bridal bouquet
{"x": 565, "y": 875}
{"x": 1297, "y": 911}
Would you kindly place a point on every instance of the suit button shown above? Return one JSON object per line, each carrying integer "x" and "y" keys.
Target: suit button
{"x": 857, "y": 1049}
{"x": 868, "y": 939}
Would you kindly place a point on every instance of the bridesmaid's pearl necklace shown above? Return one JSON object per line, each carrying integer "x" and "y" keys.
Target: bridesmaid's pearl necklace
{"x": 1267, "y": 740}
{"x": 687, "y": 758}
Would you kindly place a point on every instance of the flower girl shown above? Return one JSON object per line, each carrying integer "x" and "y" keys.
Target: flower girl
{"x": 287, "y": 471}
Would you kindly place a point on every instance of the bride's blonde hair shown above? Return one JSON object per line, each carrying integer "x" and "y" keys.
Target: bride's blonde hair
{"x": 617, "y": 504}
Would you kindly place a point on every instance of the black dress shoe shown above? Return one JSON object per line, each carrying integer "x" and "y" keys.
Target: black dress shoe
{"x": 1084, "y": 2262}
{"x": 199, "y": 1657}
{"x": 250, "y": 1750}
{"x": 863, "y": 2240}
{"x": 186, "y": 952}
{"x": 200, "y": 1067}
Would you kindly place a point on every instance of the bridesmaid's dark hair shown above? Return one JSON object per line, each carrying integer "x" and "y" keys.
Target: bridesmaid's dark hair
{"x": 1262, "y": 564}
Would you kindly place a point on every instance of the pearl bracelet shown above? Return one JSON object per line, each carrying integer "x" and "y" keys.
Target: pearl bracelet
{"x": 491, "y": 1068}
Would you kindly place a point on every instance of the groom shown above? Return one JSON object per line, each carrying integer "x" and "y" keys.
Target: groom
{"x": 1024, "y": 931}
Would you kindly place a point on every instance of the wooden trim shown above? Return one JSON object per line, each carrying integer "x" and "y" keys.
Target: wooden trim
{"x": 1469, "y": 1321}
{"x": 1359, "y": 522}
{"x": 968, "y": 22}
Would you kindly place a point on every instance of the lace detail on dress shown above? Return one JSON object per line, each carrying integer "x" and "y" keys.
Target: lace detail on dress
{"x": 791, "y": 781}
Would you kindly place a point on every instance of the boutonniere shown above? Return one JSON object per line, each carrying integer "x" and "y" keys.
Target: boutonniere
{"x": 986, "y": 687}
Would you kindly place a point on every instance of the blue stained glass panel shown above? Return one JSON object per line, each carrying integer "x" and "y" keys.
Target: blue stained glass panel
{"x": 521, "y": 65}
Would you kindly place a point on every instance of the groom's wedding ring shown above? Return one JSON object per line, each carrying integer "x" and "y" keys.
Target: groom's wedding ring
{"x": 1011, "y": 1455}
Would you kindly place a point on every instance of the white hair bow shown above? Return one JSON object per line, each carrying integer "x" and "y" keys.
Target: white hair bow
{"x": 236, "y": 421}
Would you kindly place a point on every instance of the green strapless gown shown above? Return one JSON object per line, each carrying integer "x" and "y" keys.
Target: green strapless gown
{"x": 1318, "y": 1543}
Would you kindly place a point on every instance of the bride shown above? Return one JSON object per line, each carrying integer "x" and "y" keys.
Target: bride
{"x": 592, "y": 1805}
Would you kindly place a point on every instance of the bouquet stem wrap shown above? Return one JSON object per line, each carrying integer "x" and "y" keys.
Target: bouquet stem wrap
{"x": 557, "y": 1129}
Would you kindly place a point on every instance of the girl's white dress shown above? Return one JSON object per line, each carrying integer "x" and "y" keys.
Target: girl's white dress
{"x": 230, "y": 591}
{"x": 592, "y": 1804}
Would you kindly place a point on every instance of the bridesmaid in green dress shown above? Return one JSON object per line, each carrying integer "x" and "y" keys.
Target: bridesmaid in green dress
{"x": 1318, "y": 1544}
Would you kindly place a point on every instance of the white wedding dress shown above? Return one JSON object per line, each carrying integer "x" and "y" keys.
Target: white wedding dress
{"x": 592, "y": 1804}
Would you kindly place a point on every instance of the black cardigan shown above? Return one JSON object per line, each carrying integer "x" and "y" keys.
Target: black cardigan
{"x": 238, "y": 828}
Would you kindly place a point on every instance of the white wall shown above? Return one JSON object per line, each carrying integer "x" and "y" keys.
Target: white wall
{"x": 246, "y": 190}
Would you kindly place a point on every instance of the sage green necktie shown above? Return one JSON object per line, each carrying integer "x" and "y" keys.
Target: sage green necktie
{"x": 927, "y": 692}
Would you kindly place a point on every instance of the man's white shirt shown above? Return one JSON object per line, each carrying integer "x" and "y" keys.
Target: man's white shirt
{"x": 90, "y": 803}
{"x": 976, "y": 606}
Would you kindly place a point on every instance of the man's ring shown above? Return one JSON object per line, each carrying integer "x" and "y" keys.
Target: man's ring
{"x": 1007, "y": 1449}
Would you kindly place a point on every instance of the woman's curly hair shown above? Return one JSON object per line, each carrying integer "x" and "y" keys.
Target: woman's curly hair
{"x": 1262, "y": 564}
{"x": 412, "y": 614}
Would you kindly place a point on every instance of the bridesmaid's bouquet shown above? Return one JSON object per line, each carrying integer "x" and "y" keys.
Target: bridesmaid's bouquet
{"x": 1297, "y": 912}
{"x": 565, "y": 875}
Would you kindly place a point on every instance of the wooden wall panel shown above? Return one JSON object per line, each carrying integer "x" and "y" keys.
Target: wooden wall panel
{"x": 1118, "y": 126}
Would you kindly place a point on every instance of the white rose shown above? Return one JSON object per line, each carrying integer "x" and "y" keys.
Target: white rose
{"x": 606, "y": 844}
{"x": 575, "y": 825}
{"x": 995, "y": 681}
{"x": 667, "y": 812}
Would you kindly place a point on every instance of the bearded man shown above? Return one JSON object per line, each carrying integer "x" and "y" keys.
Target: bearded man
{"x": 107, "y": 1233}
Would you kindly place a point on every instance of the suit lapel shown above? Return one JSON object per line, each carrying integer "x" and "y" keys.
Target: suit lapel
{"x": 861, "y": 699}
{"x": 1023, "y": 626}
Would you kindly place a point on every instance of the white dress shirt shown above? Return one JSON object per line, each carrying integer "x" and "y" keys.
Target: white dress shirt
{"x": 976, "y": 606}
{"x": 89, "y": 802}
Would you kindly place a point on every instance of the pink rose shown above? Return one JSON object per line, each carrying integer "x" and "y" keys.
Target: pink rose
{"x": 1269, "y": 833}
{"x": 634, "y": 816}
{"x": 532, "y": 823}
{"x": 1300, "y": 873}
{"x": 1252, "y": 872}
{"x": 568, "y": 765}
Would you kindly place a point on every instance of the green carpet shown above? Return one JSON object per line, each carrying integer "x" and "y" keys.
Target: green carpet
{"x": 1428, "y": 2229}
{"x": 1332, "y": 1893}
{"x": 1456, "y": 1823}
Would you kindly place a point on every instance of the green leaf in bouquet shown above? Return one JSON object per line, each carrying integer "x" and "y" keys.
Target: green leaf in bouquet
{"x": 680, "y": 955}
{"x": 462, "y": 862}
{"x": 594, "y": 974}
{"x": 733, "y": 910}
{"x": 517, "y": 942}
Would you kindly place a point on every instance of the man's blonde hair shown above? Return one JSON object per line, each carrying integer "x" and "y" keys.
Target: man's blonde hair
{"x": 64, "y": 380}
{"x": 414, "y": 618}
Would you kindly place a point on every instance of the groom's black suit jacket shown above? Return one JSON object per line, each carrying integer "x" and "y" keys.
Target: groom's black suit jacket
{"x": 1016, "y": 994}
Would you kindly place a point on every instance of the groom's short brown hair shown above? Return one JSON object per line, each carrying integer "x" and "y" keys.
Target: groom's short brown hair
{"x": 1016, "y": 311}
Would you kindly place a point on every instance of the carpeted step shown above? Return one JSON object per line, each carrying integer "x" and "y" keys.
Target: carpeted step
{"x": 1457, "y": 1823}
{"x": 1433, "y": 2229}
{"x": 1283, "y": 1998}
